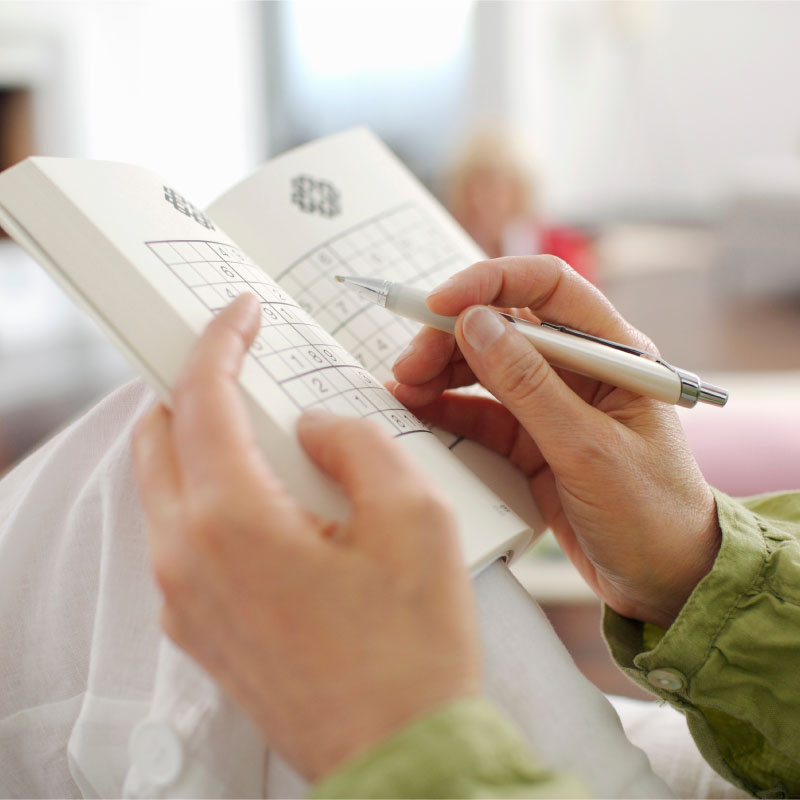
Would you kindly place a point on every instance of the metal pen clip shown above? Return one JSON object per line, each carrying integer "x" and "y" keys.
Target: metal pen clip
{"x": 626, "y": 348}
{"x": 692, "y": 388}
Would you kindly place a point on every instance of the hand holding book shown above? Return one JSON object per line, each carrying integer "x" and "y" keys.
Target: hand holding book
{"x": 152, "y": 270}
{"x": 330, "y": 635}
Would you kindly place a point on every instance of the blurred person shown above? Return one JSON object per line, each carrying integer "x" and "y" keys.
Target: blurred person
{"x": 495, "y": 198}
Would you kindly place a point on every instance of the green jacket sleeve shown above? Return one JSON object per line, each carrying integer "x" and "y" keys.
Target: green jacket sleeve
{"x": 731, "y": 659}
{"x": 466, "y": 749}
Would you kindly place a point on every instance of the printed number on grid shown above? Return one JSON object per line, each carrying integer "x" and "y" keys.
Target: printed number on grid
{"x": 311, "y": 368}
{"x": 403, "y": 245}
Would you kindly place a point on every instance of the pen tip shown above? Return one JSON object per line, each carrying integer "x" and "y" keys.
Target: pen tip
{"x": 339, "y": 278}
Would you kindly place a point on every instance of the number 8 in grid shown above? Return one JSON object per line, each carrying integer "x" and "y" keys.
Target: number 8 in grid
{"x": 311, "y": 368}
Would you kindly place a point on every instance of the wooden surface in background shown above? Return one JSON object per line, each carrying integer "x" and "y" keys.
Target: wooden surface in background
{"x": 697, "y": 325}
{"x": 16, "y": 128}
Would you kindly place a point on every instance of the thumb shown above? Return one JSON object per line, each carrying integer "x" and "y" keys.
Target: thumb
{"x": 513, "y": 370}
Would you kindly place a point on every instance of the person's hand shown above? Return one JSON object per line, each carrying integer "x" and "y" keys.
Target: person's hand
{"x": 330, "y": 635}
{"x": 610, "y": 471}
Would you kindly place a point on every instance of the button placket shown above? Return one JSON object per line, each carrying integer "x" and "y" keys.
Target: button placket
{"x": 157, "y": 751}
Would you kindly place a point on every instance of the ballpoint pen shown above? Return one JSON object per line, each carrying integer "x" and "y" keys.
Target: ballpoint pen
{"x": 611, "y": 362}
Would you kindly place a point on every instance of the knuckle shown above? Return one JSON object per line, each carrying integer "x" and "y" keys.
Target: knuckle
{"x": 556, "y": 263}
{"x": 483, "y": 279}
{"x": 601, "y": 452}
{"x": 208, "y": 520}
{"x": 184, "y": 384}
{"x": 490, "y": 279}
{"x": 196, "y": 381}
{"x": 420, "y": 502}
{"x": 173, "y": 580}
{"x": 174, "y": 626}
{"x": 523, "y": 376}
{"x": 642, "y": 341}
{"x": 406, "y": 494}
{"x": 185, "y": 388}
{"x": 435, "y": 506}
{"x": 348, "y": 430}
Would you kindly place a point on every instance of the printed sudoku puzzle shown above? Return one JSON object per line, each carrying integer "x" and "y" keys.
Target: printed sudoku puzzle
{"x": 310, "y": 366}
{"x": 403, "y": 245}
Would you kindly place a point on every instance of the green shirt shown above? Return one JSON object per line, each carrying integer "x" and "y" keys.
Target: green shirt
{"x": 730, "y": 662}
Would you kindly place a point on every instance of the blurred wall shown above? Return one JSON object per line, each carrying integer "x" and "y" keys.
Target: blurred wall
{"x": 177, "y": 87}
{"x": 404, "y": 69}
{"x": 629, "y": 110}
{"x": 650, "y": 108}
{"x": 174, "y": 86}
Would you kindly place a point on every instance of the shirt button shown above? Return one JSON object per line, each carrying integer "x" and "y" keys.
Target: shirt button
{"x": 670, "y": 680}
{"x": 157, "y": 751}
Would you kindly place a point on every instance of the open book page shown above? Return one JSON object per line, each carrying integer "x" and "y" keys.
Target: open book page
{"x": 346, "y": 205}
{"x": 153, "y": 270}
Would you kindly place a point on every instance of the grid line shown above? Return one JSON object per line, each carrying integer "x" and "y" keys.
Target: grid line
{"x": 308, "y": 364}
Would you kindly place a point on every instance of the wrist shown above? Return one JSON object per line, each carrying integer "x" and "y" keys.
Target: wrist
{"x": 448, "y": 753}
{"x": 354, "y": 735}
{"x": 693, "y": 564}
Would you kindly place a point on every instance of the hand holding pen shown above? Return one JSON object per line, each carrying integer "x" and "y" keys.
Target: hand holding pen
{"x": 622, "y": 365}
{"x": 609, "y": 469}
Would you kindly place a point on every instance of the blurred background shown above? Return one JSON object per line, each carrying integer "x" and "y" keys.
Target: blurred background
{"x": 655, "y": 146}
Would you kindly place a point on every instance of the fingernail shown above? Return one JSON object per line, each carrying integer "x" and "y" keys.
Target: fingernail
{"x": 442, "y": 287}
{"x": 405, "y": 354}
{"x": 249, "y": 306}
{"x": 482, "y": 328}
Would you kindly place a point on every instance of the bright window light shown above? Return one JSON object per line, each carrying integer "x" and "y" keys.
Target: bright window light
{"x": 338, "y": 40}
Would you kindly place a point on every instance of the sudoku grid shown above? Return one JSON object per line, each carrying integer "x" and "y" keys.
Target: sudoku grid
{"x": 309, "y": 365}
{"x": 403, "y": 245}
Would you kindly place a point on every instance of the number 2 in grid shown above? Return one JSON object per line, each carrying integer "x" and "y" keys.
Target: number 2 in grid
{"x": 312, "y": 369}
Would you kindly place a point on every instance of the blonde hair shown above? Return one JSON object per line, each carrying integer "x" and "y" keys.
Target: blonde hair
{"x": 490, "y": 150}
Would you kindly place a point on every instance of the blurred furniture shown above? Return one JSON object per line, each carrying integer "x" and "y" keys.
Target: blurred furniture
{"x": 759, "y": 230}
{"x": 16, "y": 125}
{"x": 669, "y": 281}
{"x": 753, "y": 444}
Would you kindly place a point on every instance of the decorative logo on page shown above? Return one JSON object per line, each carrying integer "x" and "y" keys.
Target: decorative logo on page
{"x": 315, "y": 196}
{"x": 180, "y": 203}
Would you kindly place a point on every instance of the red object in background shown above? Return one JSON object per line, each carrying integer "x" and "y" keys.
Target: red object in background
{"x": 573, "y": 246}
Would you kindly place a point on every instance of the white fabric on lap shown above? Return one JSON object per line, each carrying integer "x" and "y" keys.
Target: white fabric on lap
{"x": 661, "y": 731}
{"x": 84, "y": 662}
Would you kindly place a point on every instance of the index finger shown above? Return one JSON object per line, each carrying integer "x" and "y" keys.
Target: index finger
{"x": 545, "y": 284}
{"x": 213, "y": 435}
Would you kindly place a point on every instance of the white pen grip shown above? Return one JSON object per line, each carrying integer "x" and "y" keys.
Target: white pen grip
{"x": 583, "y": 356}
{"x": 410, "y": 303}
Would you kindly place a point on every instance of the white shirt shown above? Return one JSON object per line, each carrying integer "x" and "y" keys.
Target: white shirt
{"x": 96, "y": 702}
